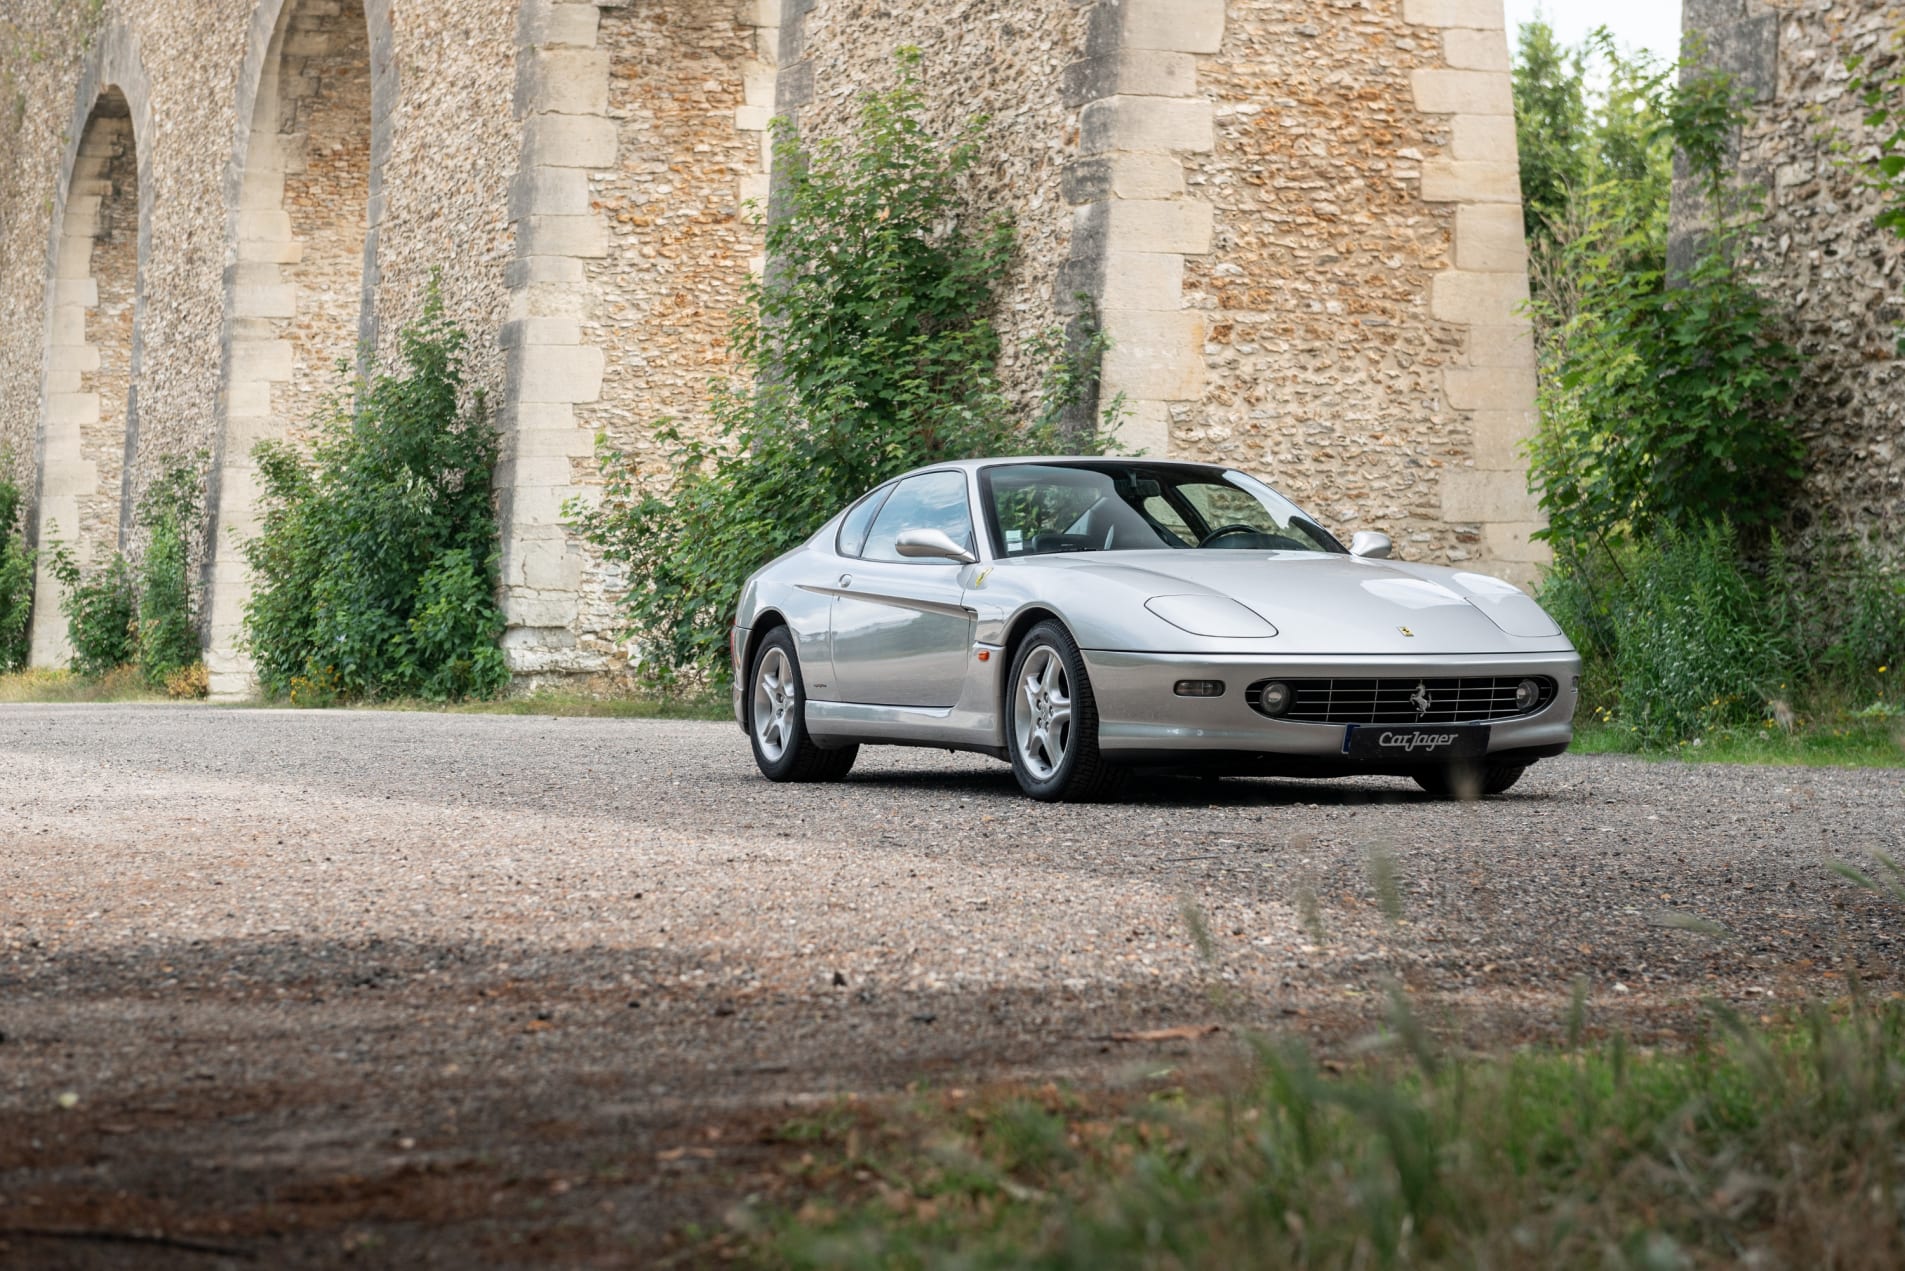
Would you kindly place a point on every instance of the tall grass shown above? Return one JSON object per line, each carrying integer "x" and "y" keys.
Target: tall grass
{"x": 1689, "y": 634}
{"x": 1773, "y": 1146}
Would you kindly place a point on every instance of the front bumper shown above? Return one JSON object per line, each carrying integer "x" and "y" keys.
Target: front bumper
{"x": 1139, "y": 715}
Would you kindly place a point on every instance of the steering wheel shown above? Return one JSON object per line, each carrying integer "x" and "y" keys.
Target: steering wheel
{"x": 1222, "y": 530}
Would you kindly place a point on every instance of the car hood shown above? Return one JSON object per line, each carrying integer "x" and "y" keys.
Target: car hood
{"x": 1335, "y": 604}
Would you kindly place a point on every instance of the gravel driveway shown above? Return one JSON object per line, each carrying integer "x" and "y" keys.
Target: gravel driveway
{"x": 426, "y": 988}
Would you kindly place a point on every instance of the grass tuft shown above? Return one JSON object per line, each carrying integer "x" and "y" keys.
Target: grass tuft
{"x": 121, "y": 684}
{"x": 1775, "y": 1142}
{"x": 1849, "y": 742}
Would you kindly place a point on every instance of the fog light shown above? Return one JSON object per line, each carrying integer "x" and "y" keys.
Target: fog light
{"x": 1275, "y": 699}
{"x": 1527, "y": 693}
{"x": 1199, "y": 688}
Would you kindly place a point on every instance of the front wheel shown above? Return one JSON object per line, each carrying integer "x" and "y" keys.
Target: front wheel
{"x": 1051, "y": 720}
{"x": 1470, "y": 781}
{"x": 777, "y": 718}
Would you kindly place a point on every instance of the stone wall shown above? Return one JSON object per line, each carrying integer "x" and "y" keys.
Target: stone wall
{"x": 1296, "y": 223}
{"x": 1314, "y": 260}
{"x": 690, "y": 152}
{"x": 1324, "y": 362}
{"x": 1004, "y": 60}
{"x": 1838, "y": 276}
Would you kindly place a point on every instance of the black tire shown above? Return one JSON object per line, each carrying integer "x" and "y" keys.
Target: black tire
{"x": 1501, "y": 776}
{"x": 1063, "y": 766}
{"x": 783, "y": 751}
{"x": 1469, "y": 781}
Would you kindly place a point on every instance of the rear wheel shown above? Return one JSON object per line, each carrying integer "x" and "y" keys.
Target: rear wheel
{"x": 1051, "y": 720}
{"x": 777, "y": 718}
{"x": 1469, "y": 781}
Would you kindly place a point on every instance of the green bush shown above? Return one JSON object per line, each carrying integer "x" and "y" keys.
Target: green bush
{"x": 16, "y": 578}
{"x": 168, "y": 629}
{"x": 1664, "y": 397}
{"x": 101, "y": 611}
{"x": 376, "y": 564}
{"x": 1681, "y": 638}
{"x": 867, "y": 349}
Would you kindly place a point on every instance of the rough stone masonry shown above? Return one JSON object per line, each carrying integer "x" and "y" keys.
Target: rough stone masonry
{"x": 1298, "y": 221}
{"x": 1816, "y": 247}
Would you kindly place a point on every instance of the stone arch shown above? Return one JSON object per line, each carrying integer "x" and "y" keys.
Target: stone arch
{"x": 305, "y": 198}
{"x": 88, "y": 429}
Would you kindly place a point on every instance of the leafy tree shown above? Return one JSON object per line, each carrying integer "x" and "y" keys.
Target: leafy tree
{"x": 1663, "y": 399}
{"x": 867, "y": 349}
{"x": 16, "y": 577}
{"x": 1551, "y": 124}
{"x": 376, "y": 566}
{"x": 168, "y": 628}
{"x": 101, "y": 608}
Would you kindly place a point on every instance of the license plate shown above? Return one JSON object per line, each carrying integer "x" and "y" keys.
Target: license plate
{"x": 1387, "y": 741}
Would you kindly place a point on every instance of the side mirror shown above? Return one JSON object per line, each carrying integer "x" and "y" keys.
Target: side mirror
{"x": 1367, "y": 543}
{"x": 931, "y": 545}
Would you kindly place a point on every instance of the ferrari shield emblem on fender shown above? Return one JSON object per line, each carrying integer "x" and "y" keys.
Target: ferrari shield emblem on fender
{"x": 1406, "y": 632}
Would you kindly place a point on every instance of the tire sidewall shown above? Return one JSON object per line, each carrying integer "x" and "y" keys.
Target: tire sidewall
{"x": 1047, "y": 635}
{"x": 777, "y": 769}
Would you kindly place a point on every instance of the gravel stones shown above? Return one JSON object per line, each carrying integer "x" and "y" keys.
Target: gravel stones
{"x": 276, "y": 944}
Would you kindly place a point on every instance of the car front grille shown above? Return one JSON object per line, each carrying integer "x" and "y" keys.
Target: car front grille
{"x": 1470, "y": 699}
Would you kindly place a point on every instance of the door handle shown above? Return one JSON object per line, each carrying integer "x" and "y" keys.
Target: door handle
{"x": 846, "y": 580}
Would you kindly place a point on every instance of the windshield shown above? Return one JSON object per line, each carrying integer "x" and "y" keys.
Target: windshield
{"x": 1034, "y": 509}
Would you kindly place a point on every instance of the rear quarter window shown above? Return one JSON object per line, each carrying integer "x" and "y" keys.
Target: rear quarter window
{"x": 852, "y": 538}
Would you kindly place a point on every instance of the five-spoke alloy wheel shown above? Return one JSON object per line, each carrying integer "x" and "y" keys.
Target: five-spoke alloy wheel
{"x": 1051, "y": 720}
{"x": 777, "y": 718}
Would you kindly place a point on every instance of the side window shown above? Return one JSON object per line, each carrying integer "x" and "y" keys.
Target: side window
{"x": 931, "y": 501}
{"x": 853, "y": 531}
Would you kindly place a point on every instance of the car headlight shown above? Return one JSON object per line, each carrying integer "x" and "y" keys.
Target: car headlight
{"x": 1216, "y": 616}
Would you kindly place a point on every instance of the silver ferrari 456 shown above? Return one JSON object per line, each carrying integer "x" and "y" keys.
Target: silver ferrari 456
{"x": 1081, "y": 616}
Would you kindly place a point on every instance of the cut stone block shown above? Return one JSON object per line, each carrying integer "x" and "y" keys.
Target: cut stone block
{"x": 1499, "y": 433}
{"x": 1511, "y": 344}
{"x": 1146, "y": 427}
{"x": 1184, "y": 26}
{"x": 1138, "y": 72}
{"x": 565, "y": 81}
{"x": 551, "y": 22}
{"x": 1440, "y": 92}
{"x": 569, "y": 141}
{"x": 1489, "y": 238}
{"x": 268, "y": 226}
{"x": 1155, "y": 356}
{"x": 279, "y": 300}
{"x": 72, "y": 408}
{"x": 547, "y": 373}
{"x": 1476, "y": 50}
{"x": 1490, "y": 388}
{"x": 1484, "y": 139}
{"x": 549, "y": 192}
{"x": 1458, "y": 181}
{"x": 1494, "y": 299}
{"x": 1143, "y": 280}
{"x": 1513, "y": 541}
{"x": 1482, "y": 15}
{"x": 81, "y": 293}
{"x": 1486, "y": 495}
{"x": 1157, "y": 225}
{"x": 580, "y": 237}
{"x": 1146, "y": 123}
{"x": 72, "y": 357}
